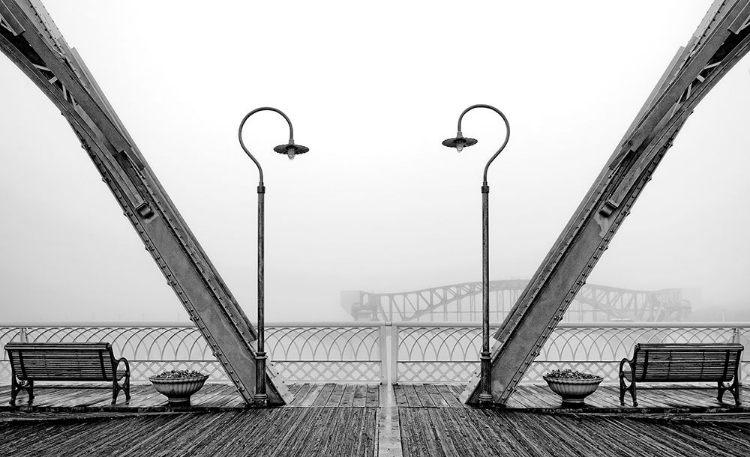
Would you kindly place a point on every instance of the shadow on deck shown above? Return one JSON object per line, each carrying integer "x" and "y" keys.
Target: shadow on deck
{"x": 352, "y": 419}
{"x": 221, "y": 397}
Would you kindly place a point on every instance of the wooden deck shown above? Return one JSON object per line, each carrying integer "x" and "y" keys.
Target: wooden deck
{"x": 437, "y": 432}
{"x": 212, "y": 397}
{"x": 537, "y": 398}
{"x": 372, "y": 420}
{"x": 531, "y": 398}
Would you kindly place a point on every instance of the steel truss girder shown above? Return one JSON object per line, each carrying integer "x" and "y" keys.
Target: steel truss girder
{"x": 32, "y": 41}
{"x": 721, "y": 40}
{"x": 616, "y": 303}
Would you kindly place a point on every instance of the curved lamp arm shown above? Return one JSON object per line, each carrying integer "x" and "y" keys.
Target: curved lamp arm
{"x": 459, "y": 142}
{"x": 289, "y": 148}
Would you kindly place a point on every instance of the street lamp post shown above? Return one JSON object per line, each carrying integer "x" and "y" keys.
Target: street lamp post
{"x": 459, "y": 142}
{"x": 291, "y": 150}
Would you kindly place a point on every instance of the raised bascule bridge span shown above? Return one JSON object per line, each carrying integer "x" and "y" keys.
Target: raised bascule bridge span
{"x": 30, "y": 39}
{"x": 462, "y": 303}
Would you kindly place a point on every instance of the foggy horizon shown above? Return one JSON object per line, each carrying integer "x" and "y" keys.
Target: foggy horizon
{"x": 378, "y": 204}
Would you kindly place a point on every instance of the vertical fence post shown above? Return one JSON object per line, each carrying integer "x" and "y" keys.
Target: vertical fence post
{"x": 22, "y": 335}
{"x": 383, "y": 340}
{"x": 736, "y": 339}
{"x": 394, "y": 354}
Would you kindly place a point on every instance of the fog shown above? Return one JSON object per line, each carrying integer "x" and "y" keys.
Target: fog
{"x": 378, "y": 204}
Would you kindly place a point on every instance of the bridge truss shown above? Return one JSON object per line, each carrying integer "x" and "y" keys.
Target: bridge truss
{"x": 462, "y": 303}
{"x": 720, "y": 41}
{"x": 30, "y": 39}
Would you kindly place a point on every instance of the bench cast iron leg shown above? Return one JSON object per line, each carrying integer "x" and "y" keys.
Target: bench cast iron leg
{"x": 624, "y": 388}
{"x": 734, "y": 388}
{"x": 126, "y": 387}
{"x": 17, "y": 386}
{"x": 115, "y": 390}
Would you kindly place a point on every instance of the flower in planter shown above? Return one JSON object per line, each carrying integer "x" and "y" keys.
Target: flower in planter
{"x": 179, "y": 374}
{"x": 178, "y": 385}
{"x": 572, "y": 386}
{"x": 570, "y": 374}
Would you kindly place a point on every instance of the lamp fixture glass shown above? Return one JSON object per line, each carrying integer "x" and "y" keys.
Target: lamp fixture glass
{"x": 460, "y": 142}
{"x": 291, "y": 149}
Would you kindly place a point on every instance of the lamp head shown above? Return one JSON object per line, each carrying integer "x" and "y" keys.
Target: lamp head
{"x": 291, "y": 149}
{"x": 459, "y": 142}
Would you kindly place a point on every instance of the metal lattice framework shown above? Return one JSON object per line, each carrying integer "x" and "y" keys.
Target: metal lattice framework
{"x": 458, "y": 303}
{"x": 302, "y": 352}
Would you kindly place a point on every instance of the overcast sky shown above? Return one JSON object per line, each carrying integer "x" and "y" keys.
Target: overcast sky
{"x": 378, "y": 204}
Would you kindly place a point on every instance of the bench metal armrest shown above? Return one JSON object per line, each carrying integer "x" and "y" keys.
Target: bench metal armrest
{"x": 630, "y": 365}
{"x": 127, "y": 366}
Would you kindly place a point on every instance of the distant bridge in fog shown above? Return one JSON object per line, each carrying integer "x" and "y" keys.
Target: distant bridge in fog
{"x": 462, "y": 303}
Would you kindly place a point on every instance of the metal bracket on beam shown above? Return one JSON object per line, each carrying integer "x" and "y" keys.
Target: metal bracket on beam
{"x": 144, "y": 210}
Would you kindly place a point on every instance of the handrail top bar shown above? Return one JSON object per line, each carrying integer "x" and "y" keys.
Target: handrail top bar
{"x": 385, "y": 323}
{"x": 589, "y": 325}
{"x": 185, "y": 324}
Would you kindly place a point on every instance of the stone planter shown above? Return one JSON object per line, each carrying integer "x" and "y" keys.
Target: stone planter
{"x": 573, "y": 390}
{"x": 178, "y": 390}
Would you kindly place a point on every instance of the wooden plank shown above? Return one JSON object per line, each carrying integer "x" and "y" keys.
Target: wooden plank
{"x": 367, "y": 434}
{"x": 465, "y": 435}
{"x": 311, "y": 396}
{"x": 300, "y": 393}
{"x": 336, "y": 395}
{"x": 524, "y": 397}
{"x": 449, "y": 396}
{"x": 360, "y": 396}
{"x": 339, "y": 431}
{"x": 424, "y": 396}
{"x": 318, "y": 420}
{"x": 411, "y": 396}
{"x": 437, "y": 399}
{"x": 209, "y": 395}
{"x": 294, "y": 388}
{"x": 146, "y": 396}
{"x": 347, "y": 397}
{"x": 414, "y": 436}
{"x": 521, "y": 432}
{"x": 400, "y": 395}
{"x": 373, "y": 396}
{"x": 324, "y": 395}
{"x": 458, "y": 392}
{"x": 445, "y": 431}
{"x": 228, "y": 397}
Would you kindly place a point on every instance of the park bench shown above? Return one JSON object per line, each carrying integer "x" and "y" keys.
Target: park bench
{"x": 32, "y": 362}
{"x": 687, "y": 362}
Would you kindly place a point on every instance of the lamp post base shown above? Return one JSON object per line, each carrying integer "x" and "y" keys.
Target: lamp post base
{"x": 260, "y": 400}
{"x": 485, "y": 398}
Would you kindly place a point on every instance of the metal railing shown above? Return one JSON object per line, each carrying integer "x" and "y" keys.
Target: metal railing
{"x": 300, "y": 352}
{"x": 445, "y": 353}
{"x": 373, "y": 352}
